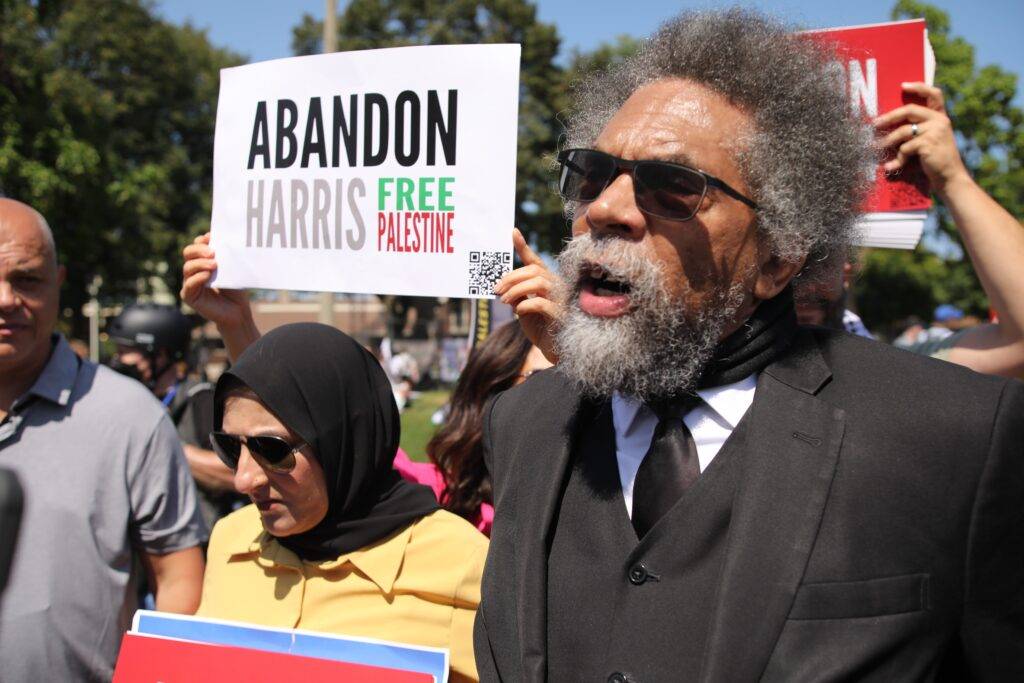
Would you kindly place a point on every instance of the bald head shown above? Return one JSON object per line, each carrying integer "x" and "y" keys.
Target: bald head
{"x": 21, "y": 222}
{"x": 30, "y": 282}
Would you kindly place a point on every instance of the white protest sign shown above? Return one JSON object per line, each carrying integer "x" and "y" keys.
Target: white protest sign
{"x": 382, "y": 171}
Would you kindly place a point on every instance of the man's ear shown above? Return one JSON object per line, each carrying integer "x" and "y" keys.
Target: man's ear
{"x": 62, "y": 274}
{"x": 774, "y": 275}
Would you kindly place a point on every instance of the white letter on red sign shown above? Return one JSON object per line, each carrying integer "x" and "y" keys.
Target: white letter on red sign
{"x": 864, "y": 90}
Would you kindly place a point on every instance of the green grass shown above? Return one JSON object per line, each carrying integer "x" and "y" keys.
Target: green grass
{"x": 416, "y": 426}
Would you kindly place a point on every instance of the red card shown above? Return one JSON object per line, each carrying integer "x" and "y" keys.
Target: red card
{"x": 875, "y": 60}
{"x": 149, "y": 659}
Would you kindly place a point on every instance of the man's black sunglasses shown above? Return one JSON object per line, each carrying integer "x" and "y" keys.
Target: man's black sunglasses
{"x": 662, "y": 189}
{"x": 270, "y": 452}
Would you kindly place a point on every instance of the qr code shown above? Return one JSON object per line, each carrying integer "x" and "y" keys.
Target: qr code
{"x": 485, "y": 269}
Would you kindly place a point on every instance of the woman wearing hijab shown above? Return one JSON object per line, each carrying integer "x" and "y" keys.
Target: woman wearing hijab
{"x": 335, "y": 540}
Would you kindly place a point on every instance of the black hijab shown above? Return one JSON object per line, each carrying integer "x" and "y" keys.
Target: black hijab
{"x": 330, "y": 391}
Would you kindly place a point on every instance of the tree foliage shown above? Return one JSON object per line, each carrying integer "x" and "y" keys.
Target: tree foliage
{"x": 107, "y": 115}
{"x": 990, "y": 129}
{"x": 106, "y": 127}
{"x": 367, "y": 24}
{"x": 602, "y": 57}
{"x": 896, "y": 285}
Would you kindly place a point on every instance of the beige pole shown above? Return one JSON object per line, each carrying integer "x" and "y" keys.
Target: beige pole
{"x": 330, "y": 44}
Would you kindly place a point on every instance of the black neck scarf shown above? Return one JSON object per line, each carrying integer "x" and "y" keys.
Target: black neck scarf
{"x": 765, "y": 335}
{"x": 330, "y": 391}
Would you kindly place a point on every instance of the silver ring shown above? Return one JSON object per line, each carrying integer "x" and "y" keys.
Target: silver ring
{"x": 914, "y": 130}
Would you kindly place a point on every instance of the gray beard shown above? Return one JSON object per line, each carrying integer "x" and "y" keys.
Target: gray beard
{"x": 658, "y": 349}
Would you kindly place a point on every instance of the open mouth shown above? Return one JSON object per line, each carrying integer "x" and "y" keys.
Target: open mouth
{"x": 602, "y": 283}
{"x": 602, "y": 293}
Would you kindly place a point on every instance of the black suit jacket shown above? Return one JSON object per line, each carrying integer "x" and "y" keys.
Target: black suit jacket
{"x": 877, "y": 533}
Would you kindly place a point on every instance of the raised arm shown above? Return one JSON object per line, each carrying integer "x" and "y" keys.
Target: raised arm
{"x": 228, "y": 309}
{"x": 994, "y": 239}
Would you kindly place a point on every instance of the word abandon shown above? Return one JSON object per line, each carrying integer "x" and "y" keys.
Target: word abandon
{"x": 324, "y": 134}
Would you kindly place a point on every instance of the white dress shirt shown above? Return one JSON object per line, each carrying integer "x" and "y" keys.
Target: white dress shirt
{"x": 710, "y": 423}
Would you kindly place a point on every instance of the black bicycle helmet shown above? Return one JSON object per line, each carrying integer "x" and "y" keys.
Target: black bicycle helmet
{"x": 151, "y": 327}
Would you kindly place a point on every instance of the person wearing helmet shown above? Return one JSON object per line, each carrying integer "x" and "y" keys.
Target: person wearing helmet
{"x": 152, "y": 347}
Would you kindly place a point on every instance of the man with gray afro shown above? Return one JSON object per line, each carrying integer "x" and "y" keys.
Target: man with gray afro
{"x": 701, "y": 489}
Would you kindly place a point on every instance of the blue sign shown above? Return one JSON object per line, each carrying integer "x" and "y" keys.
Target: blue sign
{"x": 433, "y": 661}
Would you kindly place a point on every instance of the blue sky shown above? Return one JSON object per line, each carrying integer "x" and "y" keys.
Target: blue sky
{"x": 261, "y": 29}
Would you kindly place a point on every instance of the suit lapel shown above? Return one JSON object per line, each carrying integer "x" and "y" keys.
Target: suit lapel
{"x": 794, "y": 442}
{"x": 543, "y": 463}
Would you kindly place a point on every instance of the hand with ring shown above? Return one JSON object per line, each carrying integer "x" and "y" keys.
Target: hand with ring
{"x": 923, "y": 131}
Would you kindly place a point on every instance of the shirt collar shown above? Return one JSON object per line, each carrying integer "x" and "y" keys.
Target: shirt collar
{"x": 729, "y": 401}
{"x": 57, "y": 380}
{"x": 379, "y": 561}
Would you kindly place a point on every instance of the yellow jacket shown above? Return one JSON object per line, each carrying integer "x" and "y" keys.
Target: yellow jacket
{"x": 420, "y": 586}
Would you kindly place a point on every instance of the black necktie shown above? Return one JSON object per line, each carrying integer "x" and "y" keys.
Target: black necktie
{"x": 669, "y": 467}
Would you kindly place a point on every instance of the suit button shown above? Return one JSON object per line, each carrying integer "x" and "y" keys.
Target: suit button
{"x": 618, "y": 678}
{"x": 637, "y": 574}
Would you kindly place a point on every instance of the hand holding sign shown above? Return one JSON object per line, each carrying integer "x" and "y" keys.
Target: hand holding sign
{"x": 385, "y": 171}
{"x": 528, "y": 290}
{"x": 926, "y": 132}
{"x": 228, "y": 309}
{"x": 874, "y": 62}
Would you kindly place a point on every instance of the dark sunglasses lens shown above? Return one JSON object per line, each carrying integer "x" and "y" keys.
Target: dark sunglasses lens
{"x": 273, "y": 452}
{"x": 585, "y": 174}
{"x": 227, "y": 447}
{"x": 668, "y": 191}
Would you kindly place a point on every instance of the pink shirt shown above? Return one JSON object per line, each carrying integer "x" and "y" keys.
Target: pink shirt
{"x": 427, "y": 474}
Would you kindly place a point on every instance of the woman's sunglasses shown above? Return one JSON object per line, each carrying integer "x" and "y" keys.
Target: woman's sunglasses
{"x": 662, "y": 189}
{"x": 270, "y": 452}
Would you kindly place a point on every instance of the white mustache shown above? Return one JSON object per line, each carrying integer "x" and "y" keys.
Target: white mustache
{"x": 656, "y": 349}
{"x": 611, "y": 257}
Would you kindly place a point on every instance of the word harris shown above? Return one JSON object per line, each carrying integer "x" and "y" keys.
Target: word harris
{"x": 414, "y": 214}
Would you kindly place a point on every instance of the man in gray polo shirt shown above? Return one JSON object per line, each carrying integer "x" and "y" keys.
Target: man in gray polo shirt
{"x": 107, "y": 488}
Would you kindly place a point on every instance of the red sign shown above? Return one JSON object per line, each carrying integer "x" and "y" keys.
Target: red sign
{"x": 874, "y": 61}
{"x": 149, "y": 659}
